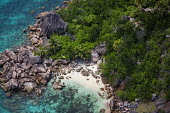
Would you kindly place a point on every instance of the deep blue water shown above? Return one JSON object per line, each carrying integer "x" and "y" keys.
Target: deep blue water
{"x": 16, "y": 15}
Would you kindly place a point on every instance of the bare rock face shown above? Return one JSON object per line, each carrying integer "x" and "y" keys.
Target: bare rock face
{"x": 3, "y": 59}
{"x": 105, "y": 80}
{"x": 45, "y": 76}
{"x": 94, "y": 56}
{"x": 101, "y": 49}
{"x": 165, "y": 107}
{"x": 84, "y": 72}
{"x": 34, "y": 59}
{"x": 29, "y": 86}
{"x": 12, "y": 84}
{"x": 51, "y": 23}
{"x": 98, "y": 51}
{"x": 39, "y": 69}
{"x": 11, "y": 54}
{"x": 22, "y": 70}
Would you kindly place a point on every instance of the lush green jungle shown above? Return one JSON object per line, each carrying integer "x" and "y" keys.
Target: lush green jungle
{"x": 137, "y": 35}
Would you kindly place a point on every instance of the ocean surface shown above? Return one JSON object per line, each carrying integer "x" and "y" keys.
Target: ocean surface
{"x": 16, "y": 15}
{"x": 74, "y": 98}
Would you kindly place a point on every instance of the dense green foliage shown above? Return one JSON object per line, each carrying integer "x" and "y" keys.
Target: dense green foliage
{"x": 138, "y": 48}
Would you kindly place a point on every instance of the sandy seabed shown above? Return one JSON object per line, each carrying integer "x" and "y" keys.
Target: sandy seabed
{"x": 89, "y": 82}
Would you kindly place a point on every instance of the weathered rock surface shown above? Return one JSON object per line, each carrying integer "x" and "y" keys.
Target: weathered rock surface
{"x": 101, "y": 49}
{"x": 3, "y": 59}
{"x": 11, "y": 55}
{"x": 165, "y": 107}
{"x": 79, "y": 69}
{"x": 94, "y": 56}
{"x": 22, "y": 70}
{"x": 51, "y": 23}
{"x": 105, "y": 80}
{"x": 98, "y": 51}
{"x": 84, "y": 72}
{"x": 12, "y": 84}
{"x": 29, "y": 86}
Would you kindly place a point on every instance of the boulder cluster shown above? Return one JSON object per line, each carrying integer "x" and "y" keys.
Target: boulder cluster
{"x": 22, "y": 70}
{"x": 98, "y": 51}
{"x": 47, "y": 24}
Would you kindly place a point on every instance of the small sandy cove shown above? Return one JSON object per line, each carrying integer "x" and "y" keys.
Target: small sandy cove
{"x": 92, "y": 81}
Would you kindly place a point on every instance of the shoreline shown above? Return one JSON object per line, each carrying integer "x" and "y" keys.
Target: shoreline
{"x": 30, "y": 73}
{"x": 91, "y": 82}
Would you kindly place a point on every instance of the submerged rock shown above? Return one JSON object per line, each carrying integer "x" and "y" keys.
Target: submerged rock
{"x": 102, "y": 111}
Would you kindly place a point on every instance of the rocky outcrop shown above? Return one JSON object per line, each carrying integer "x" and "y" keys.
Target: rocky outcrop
{"x": 22, "y": 70}
{"x": 101, "y": 49}
{"x": 11, "y": 55}
{"x": 47, "y": 24}
{"x": 94, "y": 56}
{"x": 51, "y": 23}
{"x": 165, "y": 107}
{"x": 84, "y": 72}
{"x": 104, "y": 80}
{"x": 3, "y": 59}
{"x": 98, "y": 51}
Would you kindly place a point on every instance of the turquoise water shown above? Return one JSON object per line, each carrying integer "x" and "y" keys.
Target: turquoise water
{"x": 16, "y": 15}
{"x": 72, "y": 99}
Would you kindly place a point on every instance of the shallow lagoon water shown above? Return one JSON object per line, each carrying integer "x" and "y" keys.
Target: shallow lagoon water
{"x": 72, "y": 99}
{"x": 16, "y": 15}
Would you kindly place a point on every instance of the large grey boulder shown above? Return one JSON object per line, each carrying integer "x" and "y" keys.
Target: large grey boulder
{"x": 29, "y": 86}
{"x": 45, "y": 76}
{"x": 20, "y": 58}
{"x": 39, "y": 69}
{"x": 3, "y": 59}
{"x": 101, "y": 49}
{"x": 104, "y": 80}
{"x": 94, "y": 56}
{"x": 48, "y": 62}
{"x": 33, "y": 59}
{"x": 12, "y": 84}
{"x": 165, "y": 107}
{"x": 51, "y": 23}
{"x": 84, "y": 72}
{"x": 11, "y": 55}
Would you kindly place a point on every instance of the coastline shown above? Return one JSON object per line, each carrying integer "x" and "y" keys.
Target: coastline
{"x": 22, "y": 60}
{"x": 90, "y": 82}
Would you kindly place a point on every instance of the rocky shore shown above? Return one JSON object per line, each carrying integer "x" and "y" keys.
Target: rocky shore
{"x": 22, "y": 71}
{"x": 25, "y": 72}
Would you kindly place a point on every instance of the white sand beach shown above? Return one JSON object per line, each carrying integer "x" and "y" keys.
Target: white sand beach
{"x": 90, "y": 82}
